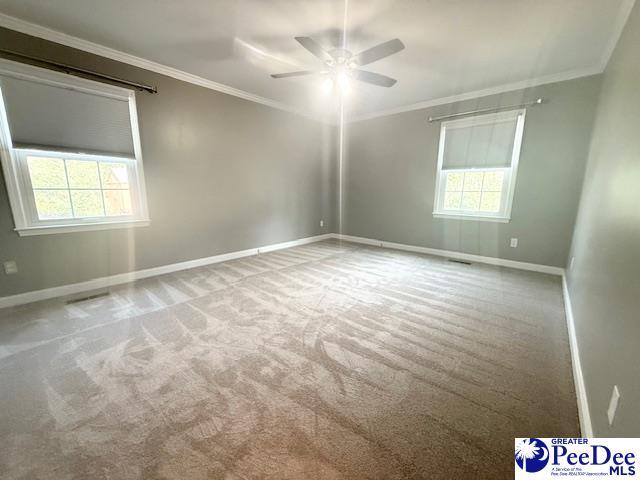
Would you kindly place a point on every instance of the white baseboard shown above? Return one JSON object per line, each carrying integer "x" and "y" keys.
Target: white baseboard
{"x": 111, "y": 280}
{"x": 534, "y": 267}
{"x": 581, "y": 392}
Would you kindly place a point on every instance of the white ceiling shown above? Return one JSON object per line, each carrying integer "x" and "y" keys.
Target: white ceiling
{"x": 453, "y": 47}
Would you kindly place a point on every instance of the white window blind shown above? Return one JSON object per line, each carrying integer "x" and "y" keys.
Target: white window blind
{"x": 44, "y": 115}
{"x": 480, "y": 145}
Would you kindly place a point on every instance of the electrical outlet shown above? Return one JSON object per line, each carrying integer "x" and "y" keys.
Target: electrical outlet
{"x": 10, "y": 267}
{"x": 613, "y": 404}
{"x": 322, "y": 223}
{"x": 514, "y": 242}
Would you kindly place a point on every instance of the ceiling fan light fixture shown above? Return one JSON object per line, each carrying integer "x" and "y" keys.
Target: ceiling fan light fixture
{"x": 344, "y": 82}
{"x": 327, "y": 85}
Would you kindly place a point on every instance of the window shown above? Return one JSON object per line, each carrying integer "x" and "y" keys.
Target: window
{"x": 70, "y": 152}
{"x": 77, "y": 186}
{"x": 477, "y": 165}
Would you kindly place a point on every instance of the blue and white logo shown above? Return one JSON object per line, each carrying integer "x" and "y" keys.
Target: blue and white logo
{"x": 532, "y": 454}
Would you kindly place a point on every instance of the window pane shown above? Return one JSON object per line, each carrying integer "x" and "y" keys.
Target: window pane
{"x": 473, "y": 181}
{"x": 82, "y": 174}
{"x": 87, "y": 203}
{"x": 454, "y": 181}
{"x": 47, "y": 172}
{"x": 117, "y": 202}
{"x": 114, "y": 175}
{"x": 452, "y": 200}
{"x": 52, "y": 204}
{"x": 493, "y": 181}
{"x": 490, "y": 202}
{"x": 470, "y": 200}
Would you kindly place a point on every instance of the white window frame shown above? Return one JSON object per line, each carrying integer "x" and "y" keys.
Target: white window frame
{"x": 16, "y": 173}
{"x": 510, "y": 173}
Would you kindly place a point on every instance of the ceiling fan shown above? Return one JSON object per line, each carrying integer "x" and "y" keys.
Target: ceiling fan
{"x": 340, "y": 64}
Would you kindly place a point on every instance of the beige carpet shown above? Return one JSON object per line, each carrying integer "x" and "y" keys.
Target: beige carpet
{"x": 326, "y": 361}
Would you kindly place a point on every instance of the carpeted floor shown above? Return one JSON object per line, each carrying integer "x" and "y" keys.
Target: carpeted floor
{"x": 326, "y": 361}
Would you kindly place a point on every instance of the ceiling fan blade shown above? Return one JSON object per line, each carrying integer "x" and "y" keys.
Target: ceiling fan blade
{"x": 373, "y": 78}
{"x": 379, "y": 51}
{"x": 294, "y": 74}
{"x": 314, "y": 47}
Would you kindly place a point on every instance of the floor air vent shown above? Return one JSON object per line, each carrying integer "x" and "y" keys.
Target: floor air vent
{"x": 453, "y": 260}
{"x": 87, "y": 297}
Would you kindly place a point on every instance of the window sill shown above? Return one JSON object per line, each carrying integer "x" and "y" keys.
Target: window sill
{"x": 80, "y": 227}
{"x": 480, "y": 218}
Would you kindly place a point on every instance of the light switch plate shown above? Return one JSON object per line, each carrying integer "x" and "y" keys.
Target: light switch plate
{"x": 613, "y": 404}
{"x": 514, "y": 242}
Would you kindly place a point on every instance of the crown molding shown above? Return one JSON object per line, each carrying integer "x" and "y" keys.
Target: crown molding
{"x": 621, "y": 21}
{"x": 35, "y": 30}
{"x": 509, "y": 87}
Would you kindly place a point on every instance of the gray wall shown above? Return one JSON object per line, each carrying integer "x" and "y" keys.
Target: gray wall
{"x": 604, "y": 282}
{"x": 222, "y": 174}
{"x": 390, "y": 169}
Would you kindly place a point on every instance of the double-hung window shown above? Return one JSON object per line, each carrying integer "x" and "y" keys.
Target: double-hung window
{"x": 477, "y": 165}
{"x": 70, "y": 152}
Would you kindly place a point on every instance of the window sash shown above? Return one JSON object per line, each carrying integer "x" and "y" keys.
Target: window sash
{"x": 504, "y": 200}
{"x": 30, "y": 204}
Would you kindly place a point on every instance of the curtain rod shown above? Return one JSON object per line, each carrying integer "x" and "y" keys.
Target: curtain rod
{"x": 487, "y": 110}
{"x": 76, "y": 70}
